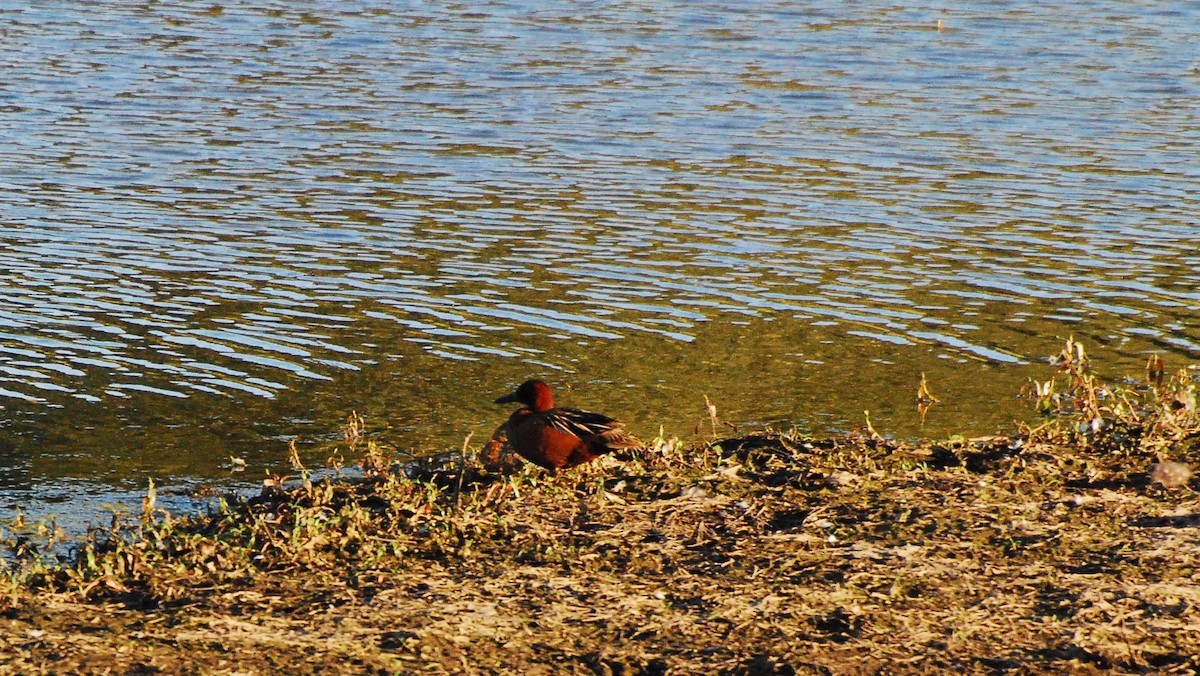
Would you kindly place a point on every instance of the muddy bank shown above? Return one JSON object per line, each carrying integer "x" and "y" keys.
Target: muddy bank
{"x": 1070, "y": 547}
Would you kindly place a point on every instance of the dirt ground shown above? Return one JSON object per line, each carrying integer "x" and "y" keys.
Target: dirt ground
{"x": 765, "y": 554}
{"x": 1070, "y": 547}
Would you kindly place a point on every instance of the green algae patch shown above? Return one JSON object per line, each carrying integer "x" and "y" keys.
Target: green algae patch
{"x": 1068, "y": 547}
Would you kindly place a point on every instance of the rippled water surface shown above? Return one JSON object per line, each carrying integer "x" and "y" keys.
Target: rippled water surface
{"x": 224, "y": 225}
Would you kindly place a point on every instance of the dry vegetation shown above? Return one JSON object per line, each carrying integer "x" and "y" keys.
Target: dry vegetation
{"x": 1070, "y": 547}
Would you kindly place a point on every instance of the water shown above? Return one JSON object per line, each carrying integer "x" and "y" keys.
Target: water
{"x": 228, "y": 225}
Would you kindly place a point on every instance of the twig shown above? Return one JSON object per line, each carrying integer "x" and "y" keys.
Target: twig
{"x": 462, "y": 468}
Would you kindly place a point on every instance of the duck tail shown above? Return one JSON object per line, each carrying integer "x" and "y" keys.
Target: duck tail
{"x": 612, "y": 440}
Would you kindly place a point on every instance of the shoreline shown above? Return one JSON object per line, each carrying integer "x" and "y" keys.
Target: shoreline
{"x": 1069, "y": 546}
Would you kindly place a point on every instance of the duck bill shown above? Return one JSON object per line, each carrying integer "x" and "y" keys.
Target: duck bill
{"x": 507, "y": 399}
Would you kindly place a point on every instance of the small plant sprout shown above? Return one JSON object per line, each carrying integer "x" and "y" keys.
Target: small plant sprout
{"x": 1043, "y": 395}
{"x": 335, "y": 461}
{"x": 711, "y": 408}
{"x": 1073, "y": 361}
{"x": 294, "y": 455}
{"x": 148, "y": 501}
{"x": 871, "y": 428}
{"x": 1155, "y": 371}
{"x": 925, "y": 398}
{"x": 355, "y": 428}
{"x": 1073, "y": 358}
{"x": 462, "y": 469}
{"x": 375, "y": 462}
{"x": 1183, "y": 388}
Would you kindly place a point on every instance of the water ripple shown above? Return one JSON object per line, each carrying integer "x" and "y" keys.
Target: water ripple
{"x": 243, "y": 201}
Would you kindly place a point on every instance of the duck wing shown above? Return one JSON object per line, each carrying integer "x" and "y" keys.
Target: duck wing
{"x": 582, "y": 424}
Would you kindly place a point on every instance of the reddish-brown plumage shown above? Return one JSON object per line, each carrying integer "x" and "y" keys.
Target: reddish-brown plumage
{"x": 555, "y": 438}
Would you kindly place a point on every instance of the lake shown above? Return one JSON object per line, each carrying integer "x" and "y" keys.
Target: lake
{"x": 228, "y": 225}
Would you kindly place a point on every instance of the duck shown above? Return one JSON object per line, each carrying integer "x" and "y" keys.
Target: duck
{"x": 555, "y": 437}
